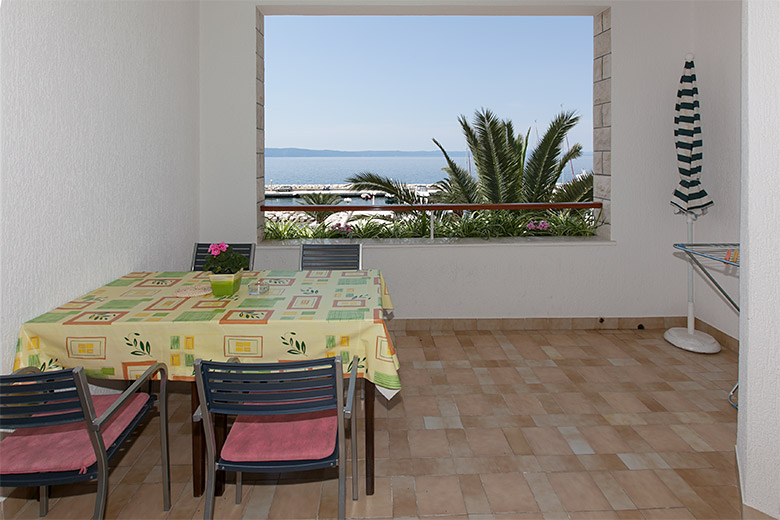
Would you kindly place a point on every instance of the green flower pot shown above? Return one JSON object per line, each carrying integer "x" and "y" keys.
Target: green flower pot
{"x": 225, "y": 284}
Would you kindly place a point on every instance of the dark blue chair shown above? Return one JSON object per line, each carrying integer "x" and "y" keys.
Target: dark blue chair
{"x": 331, "y": 256}
{"x": 201, "y": 253}
{"x": 289, "y": 417}
{"x": 64, "y": 435}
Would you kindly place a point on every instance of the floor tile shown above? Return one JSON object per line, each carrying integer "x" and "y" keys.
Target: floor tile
{"x": 428, "y": 443}
{"x": 488, "y": 442}
{"x": 508, "y": 493}
{"x": 295, "y": 500}
{"x": 645, "y": 489}
{"x": 404, "y": 498}
{"x": 546, "y": 441}
{"x": 578, "y": 491}
{"x": 439, "y": 495}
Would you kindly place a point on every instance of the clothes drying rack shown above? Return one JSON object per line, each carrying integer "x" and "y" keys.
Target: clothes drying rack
{"x": 725, "y": 253}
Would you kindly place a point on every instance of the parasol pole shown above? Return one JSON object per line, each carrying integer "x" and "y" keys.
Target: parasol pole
{"x": 691, "y": 319}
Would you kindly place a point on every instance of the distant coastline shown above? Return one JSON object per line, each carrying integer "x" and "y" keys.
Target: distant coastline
{"x": 305, "y": 152}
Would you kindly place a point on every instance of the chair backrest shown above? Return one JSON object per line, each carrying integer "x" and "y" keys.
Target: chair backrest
{"x": 268, "y": 388}
{"x": 44, "y": 399}
{"x": 331, "y": 256}
{"x": 201, "y": 253}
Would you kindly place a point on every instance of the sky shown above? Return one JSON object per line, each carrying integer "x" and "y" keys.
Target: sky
{"x": 396, "y": 82}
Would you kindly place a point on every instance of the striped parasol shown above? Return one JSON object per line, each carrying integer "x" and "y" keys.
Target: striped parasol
{"x": 690, "y": 196}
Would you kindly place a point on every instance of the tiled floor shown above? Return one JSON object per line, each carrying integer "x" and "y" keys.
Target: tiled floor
{"x": 574, "y": 424}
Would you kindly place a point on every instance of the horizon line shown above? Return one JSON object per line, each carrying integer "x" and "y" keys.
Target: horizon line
{"x": 332, "y": 150}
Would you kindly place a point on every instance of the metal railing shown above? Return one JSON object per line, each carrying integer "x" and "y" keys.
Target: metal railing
{"x": 431, "y": 208}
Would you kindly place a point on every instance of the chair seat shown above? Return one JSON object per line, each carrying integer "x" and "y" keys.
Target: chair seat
{"x": 65, "y": 447}
{"x": 263, "y": 438}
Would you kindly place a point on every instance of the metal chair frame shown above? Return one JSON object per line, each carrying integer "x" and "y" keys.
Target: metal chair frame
{"x": 31, "y": 398}
{"x": 258, "y": 389}
{"x": 201, "y": 251}
{"x": 331, "y": 256}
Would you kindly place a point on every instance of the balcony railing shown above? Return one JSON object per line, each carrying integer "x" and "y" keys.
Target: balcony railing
{"x": 432, "y": 208}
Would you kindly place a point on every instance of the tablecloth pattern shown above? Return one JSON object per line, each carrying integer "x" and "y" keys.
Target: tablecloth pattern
{"x": 118, "y": 330}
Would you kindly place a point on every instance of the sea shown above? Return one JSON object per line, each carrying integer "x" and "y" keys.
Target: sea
{"x": 408, "y": 169}
{"x": 413, "y": 170}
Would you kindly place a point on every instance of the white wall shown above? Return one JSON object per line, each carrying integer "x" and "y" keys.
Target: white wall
{"x": 637, "y": 275}
{"x": 228, "y": 144}
{"x": 717, "y": 50}
{"x": 758, "y": 439}
{"x": 99, "y": 148}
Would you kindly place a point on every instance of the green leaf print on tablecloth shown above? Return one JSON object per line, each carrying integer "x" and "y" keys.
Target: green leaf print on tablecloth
{"x": 139, "y": 347}
{"x": 296, "y": 348}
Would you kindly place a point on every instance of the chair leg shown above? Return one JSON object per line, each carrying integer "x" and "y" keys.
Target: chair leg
{"x": 238, "y": 487}
{"x": 342, "y": 492}
{"x": 211, "y": 477}
{"x": 102, "y": 488}
{"x": 353, "y": 420}
{"x": 164, "y": 452}
{"x": 43, "y": 497}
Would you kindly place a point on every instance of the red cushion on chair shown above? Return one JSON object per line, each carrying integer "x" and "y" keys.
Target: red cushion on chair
{"x": 65, "y": 447}
{"x": 263, "y": 438}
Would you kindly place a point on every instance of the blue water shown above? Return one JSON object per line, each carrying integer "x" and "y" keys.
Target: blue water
{"x": 335, "y": 170}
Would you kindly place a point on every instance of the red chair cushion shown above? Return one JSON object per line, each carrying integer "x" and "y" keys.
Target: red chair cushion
{"x": 65, "y": 447}
{"x": 264, "y": 438}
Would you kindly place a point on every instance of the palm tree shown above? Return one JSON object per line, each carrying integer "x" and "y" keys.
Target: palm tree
{"x": 505, "y": 174}
{"x": 323, "y": 199}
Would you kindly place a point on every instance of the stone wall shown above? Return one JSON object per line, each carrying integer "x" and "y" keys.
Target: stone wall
{"x": 602, "y": 116}
{"x": 260, "y": 108}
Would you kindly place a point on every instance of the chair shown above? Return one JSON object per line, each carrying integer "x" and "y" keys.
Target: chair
{"x": 201, "y": 253}
{"x": 289, "y": 417}
{"x": 331, "y": 256}
{"x": 64, "y": 435}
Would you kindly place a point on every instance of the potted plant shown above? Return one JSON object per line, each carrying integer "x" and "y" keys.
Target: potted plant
{"x": 226, "y": 267}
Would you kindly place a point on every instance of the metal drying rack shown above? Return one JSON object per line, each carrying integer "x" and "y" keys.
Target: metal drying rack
{"x": 725, "y": 253}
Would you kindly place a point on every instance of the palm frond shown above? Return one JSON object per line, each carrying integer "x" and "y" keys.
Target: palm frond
{"x": 541, "y": 171}
{"x": 460, "y": 187}
{"x": 324, "y": 199}
{"x": 579, "y": 189}
{"x": 563, "y": 163}
{"x": 372, "y": 181}
{"x": 320, "y": 198}
{"x": 490, "y": 143}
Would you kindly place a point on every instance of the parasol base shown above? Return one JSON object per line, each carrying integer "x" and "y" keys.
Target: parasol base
{"x": 697, "y": 342}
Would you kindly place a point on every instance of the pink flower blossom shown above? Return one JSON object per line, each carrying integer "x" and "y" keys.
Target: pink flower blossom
{"x": 543, "y": 226}
{"x": 531, "y": 226}
{"x": 216, "y": 249}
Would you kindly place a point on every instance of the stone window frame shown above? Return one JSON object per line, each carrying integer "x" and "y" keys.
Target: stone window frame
{"x": 602, "y": 118}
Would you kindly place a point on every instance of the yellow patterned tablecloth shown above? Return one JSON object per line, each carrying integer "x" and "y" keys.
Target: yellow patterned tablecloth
{"x": 118, "y": 330}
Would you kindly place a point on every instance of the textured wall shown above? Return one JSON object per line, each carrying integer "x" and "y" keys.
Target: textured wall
{"x": 228, "y": 121}
{"x": 716, "y": 52}
{"x": 99, "y": 148}
{"x": 758, "y": 441}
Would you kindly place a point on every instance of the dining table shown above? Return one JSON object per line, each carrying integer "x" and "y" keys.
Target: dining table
{"x": 141, "y": 318}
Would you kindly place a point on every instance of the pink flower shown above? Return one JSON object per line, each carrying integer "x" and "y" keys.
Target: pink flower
{"x": 216, "y": 249}
{"x": 531, "y": 226}
{"x": 543, "y": 226}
